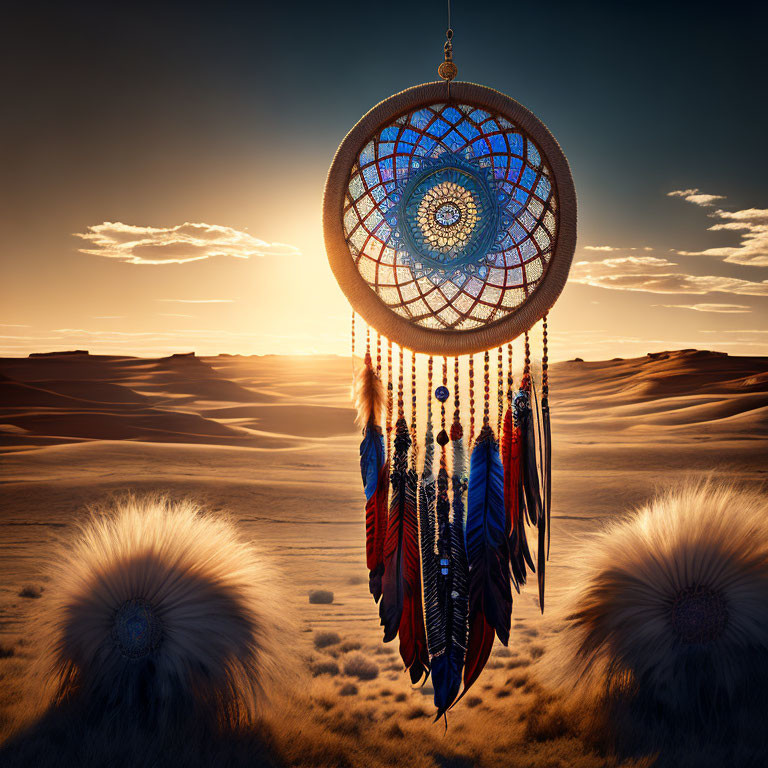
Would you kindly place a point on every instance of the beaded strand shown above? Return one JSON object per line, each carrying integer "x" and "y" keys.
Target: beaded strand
{"x": 500, "y": 390}
{"x": 471, "y": 398}
{"x": 487, "y": 389}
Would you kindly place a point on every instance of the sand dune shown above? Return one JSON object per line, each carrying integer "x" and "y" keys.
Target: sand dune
{"x": 271, "y": 441}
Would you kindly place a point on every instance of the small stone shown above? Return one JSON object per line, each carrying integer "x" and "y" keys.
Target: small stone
{"x": 442, "y": 438}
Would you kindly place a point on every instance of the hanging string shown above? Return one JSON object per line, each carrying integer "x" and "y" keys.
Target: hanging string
{"x": 544, "y": 364}
{"x": 414, "y": 443}
{"x": 500, "y": 390}
{"x": 445, "y": 384}
{"x": 456, "y": 429}
{"x": 487, "y": 394}
{"x": 471, "y": 398}
{"x": 390, "y": 398}
{"x": 429, "y": 390}
{"x": 447, "y": 69}
{"x": 368, "y": 341}
{"x": 378, "y": 354}
{"x": 442, "y": 438}
{"x": 400, "y": 402}
{"x": 456, "y": 402}
{"x": 547, "y": 450}
{"x": 526, "y": 380}
{"x": 353, "y": 338}
{"x": 510, "y": 375}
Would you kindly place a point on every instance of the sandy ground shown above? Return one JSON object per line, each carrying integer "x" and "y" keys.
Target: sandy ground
{"x": 271, "y": 441}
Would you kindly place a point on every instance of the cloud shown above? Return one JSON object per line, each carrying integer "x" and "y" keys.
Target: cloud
{"x": 175, "y": 245}
{"x": 752, "y": 223}
{"x": 611, "y": 248}
{"x": 199, "y": 301}
{"x": 696, "y": 197}
{"x": 653, "y": 275}
{"x": 727, "y": 309}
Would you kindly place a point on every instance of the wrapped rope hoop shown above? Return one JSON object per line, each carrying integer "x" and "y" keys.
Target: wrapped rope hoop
{"x": 450, "y": 218}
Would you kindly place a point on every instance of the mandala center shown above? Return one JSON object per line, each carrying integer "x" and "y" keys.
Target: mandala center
{"x": 699, "y": 615}
{"x": 136, "y": 629}
{"x": 447, "y": 215}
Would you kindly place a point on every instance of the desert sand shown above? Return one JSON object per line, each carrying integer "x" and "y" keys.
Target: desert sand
{"x": 271, "y": 441}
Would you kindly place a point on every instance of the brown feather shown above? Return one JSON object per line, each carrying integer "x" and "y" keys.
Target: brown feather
{"x": 367, "y": 394}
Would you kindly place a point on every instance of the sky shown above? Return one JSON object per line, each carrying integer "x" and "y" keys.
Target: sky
{"x": 162, "y": 165}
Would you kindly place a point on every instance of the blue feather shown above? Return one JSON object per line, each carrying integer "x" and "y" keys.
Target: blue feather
{"x": 486, "y": 538}
{"x": 371, "y": 458}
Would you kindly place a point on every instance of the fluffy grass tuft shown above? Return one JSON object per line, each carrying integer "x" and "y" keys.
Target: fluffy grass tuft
{"x": 158, "y": 611}
{"x": 667, "y": 629}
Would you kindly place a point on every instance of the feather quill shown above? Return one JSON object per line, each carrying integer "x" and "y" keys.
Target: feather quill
{"x": 368, "y": 396}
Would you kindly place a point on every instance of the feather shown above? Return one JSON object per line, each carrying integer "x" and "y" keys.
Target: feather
{"x": 430, "y": 568}
{"x": 376, "y": 530}
{"x": 412, "y": 632}
{"x": 519, "y": 554}
{"x": 531, "y": 489}
{"x": 487, "y": 548}
{"x": 479, "y": 645}
{"x": 402, "y": 506}
{"x": 541, "y": 556}
{"x": 374, "y": 470}
{"x": 547, "y": 469}
{"x": 367, "y": 394}
{"x": 447, "y": 669}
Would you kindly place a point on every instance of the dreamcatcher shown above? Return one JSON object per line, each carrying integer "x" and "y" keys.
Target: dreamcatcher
{"x": 450, "y": 224}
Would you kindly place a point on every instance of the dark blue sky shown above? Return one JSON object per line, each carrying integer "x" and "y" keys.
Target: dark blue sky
{"x": 156, "y": 114}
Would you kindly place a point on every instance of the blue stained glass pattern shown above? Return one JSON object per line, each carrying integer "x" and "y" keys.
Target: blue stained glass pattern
{"x": 462, "y": 203}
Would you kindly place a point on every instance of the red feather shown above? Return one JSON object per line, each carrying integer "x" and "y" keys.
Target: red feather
{"x": 412, "y": 632}
{"x": 376, "y": 520}
{"x": 510, "y": 456}
{"x": 481, "y": 635}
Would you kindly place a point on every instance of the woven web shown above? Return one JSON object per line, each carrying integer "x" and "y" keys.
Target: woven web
{"x": 451, "y": 216}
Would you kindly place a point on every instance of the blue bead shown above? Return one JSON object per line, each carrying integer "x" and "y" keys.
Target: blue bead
{"x": 442, "y": 393}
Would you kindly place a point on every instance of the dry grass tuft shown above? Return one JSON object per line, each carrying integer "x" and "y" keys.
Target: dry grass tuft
{"x": 325, "y": 668}
{"x": 360, "y": 667}
{"x": 666, "y": 634}
{"x": 325, "y": 639}
{"x": 127, "y": 621}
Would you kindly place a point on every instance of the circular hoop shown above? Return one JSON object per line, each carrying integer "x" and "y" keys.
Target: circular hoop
{"x": 364, "y": 299}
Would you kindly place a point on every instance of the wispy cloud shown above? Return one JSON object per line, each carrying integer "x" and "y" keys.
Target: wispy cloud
{"x": 653, "y": 275}
{"x": 752, "y": 223}
{"x": 612, "y": 248}
{"x": 199, "y": 301}
{"x": 726, "y": 309}
{"x": 696, "y": 197}
{"x": 175, "y": 245}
